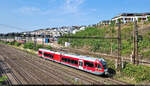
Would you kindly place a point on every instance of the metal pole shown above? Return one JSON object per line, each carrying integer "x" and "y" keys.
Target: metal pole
{"x": 119, "y": 47}
{"x": 35, "y": 41}
{"x": 135, "y": 40}
{"x": 136, "y": 43}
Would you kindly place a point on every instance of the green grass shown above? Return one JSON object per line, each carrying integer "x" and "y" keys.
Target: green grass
{"x": 138, "y": 73}
{"x": 3, "y": 78}
{"x": 104, "y": 45}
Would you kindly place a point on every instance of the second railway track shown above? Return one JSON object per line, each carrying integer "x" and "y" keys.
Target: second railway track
{"x": 61, "y": 74}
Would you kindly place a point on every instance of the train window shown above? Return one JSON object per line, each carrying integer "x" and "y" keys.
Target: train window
{"x": 96, "y": 65}
{"x": 51, "y": 56}
{"x": 72, "y": 61}
{"x": 88, "y": 64}
{"x": 48, "y": 55}
{"x": 68, "y": 60}
{"x": 40, "y": 52}
{"x": 63, "y": 59}
{"x": 45, "y": 54}
{"x": 75, "y": 62}
{"x": 99, "y": 66}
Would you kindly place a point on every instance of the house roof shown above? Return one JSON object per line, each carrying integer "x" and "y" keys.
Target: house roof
{"x": 132, "y": 14}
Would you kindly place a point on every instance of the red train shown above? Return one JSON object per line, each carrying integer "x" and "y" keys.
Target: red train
{"x": 89, "y": 64}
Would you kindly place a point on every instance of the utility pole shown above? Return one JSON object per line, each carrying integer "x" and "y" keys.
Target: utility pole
{"x": 119, "y": 59}
{"x": 35, "y": 41}
{"x": 135, "y": 41}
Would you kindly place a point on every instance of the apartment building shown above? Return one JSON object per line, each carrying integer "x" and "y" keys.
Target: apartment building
{"x": 130, "y": 17}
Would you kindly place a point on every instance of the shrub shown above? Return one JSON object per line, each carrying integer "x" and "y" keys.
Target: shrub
{"x": 38, "y": 46}
{"x": 148, "y": 18}
{"x": 146, "y": 54}
{"x": 17, "y": 44}
{"x": 139, "y": 73}
{"x": 3, "y": 78}
{"x": 11, "y": 43}
{"x": 48, "y": 47}
{"x": 29, "y": 45}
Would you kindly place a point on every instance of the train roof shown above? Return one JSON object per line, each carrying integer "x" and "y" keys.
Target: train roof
{"x": 75, "y": 55}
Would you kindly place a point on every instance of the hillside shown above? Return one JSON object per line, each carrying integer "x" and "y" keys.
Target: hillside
{"x": 110, "y": 46}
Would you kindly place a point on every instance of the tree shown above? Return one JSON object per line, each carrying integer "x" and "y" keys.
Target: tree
{"x": 139, "y": 19}
{"x": 148, "y": 18}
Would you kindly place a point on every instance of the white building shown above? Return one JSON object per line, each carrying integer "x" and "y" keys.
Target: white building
{"x": 130, "y": 17}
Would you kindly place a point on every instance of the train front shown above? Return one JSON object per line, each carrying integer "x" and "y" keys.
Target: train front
{"x": 103, "y": 65}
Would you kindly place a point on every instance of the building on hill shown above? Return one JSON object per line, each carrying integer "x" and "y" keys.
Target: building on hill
{"x": 105, "y": 22}
{"x": 130, "y": 17}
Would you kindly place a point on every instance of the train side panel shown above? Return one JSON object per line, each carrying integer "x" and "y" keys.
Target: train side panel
{"x": 57, "y": 57}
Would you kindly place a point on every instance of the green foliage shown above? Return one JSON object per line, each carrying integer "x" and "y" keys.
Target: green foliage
{"x": 146, "y": 54}
{"x": 28, "y": 45}
{"x": 148, "y": 18}
{"x": 17, "y": 44}
{"x": 110, "y": 64}
{"x": 95, "y": 45}
{"x": 3, "y": 78}
{"x": 48, "y": 47}
{"x": 104, "y": 45}
{"x": 38, "y": 46}
{"x": 139, "y": 19}
{"x": 139, "y": 73}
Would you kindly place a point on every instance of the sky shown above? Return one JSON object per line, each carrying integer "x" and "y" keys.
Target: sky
{"x": 29, "y": 15}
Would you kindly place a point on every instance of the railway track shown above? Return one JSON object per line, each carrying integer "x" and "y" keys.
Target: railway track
{"x": 31, "y": 63}
{"x": 33, "y": 79}
{"x": 85, "y": 78}
{"x": 6, "y": 69}
{"x": 63, "y": 73}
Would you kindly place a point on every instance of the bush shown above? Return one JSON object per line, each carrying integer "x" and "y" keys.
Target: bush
{"x": 38, "y": 46}
{"x": 48, "y": 47}
{"x": 146, "y": 54}
{"x": 17, "y": 44}
{"x": 139, "y": 73}
{"x": 28, "y": 45}
{"x": 11, "y": 43}
{"x": 3, "y": 78}
{"x": 148, "y": 18}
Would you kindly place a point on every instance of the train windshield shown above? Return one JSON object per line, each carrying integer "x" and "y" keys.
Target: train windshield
{"x": 103, "y": 63}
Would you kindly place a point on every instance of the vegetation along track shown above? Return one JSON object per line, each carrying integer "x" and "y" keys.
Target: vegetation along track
{"x": 53, "y": 70}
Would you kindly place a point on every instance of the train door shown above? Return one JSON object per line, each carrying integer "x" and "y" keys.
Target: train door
{"x": 96, "y": 66}
{"x": 81, "y": 64}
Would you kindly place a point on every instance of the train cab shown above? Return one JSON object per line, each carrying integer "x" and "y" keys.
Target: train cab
{"x": 100, "y": 66}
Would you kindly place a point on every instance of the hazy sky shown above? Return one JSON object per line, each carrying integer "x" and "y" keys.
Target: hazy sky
{"x": 28, "y": 15}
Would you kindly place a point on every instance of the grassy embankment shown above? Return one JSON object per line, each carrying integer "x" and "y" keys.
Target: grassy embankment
{"x": 131, "y": 73}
